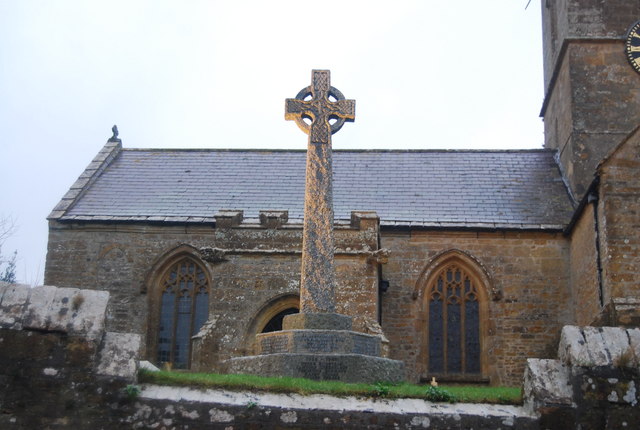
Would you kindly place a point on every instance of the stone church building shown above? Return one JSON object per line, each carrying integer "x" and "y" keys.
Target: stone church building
{"x": 465, "y": 262}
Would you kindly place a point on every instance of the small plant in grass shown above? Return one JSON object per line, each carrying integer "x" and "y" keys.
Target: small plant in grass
{"x": 437, "y": 394}
{"x": 381, "y": 389}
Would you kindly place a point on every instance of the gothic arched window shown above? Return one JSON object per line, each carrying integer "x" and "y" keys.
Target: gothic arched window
{"x": 184, "y": 308}
{"x": 453, "y": 323}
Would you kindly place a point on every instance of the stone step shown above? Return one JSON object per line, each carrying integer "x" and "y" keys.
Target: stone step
{"x": 318, "y": 341}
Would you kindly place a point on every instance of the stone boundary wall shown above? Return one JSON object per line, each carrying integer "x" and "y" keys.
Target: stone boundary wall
{"x": 59, "y": 368}
{"x": 593, "y": 385}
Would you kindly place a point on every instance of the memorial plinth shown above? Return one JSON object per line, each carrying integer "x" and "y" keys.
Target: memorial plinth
{"x": 318, "y": 343}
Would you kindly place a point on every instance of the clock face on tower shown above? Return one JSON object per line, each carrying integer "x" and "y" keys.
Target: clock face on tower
{"x": 632, "y": 46}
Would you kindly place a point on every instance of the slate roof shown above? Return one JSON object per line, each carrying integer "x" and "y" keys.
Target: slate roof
{"x": 484, "y": 189}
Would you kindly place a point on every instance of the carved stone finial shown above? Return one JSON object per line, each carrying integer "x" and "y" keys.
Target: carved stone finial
{"x": 114, "y": 138}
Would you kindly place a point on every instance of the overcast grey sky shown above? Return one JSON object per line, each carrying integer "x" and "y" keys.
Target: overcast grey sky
{"x": 214, "y": 74}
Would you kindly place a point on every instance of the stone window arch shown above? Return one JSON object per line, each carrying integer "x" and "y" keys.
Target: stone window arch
{"x": 454, "y": 304}
{"x": 179, "y": 306}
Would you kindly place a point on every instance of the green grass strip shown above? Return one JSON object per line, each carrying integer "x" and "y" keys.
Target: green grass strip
{"x": 454, "y": 393}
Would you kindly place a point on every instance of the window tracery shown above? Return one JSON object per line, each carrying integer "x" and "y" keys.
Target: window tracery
{"x": 184, "y": 308}
{"x": 453, "y": 324}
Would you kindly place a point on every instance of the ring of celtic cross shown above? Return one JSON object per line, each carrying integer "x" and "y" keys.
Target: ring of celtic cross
{"x": 321, "y": 104}
{"x": 304, "y": 95}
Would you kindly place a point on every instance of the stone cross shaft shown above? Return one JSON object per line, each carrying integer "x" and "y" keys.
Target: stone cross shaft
{"x": 326, "y": 111}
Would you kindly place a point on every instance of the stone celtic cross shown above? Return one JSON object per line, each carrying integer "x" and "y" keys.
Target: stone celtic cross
{"x": 327, "y": 110}
{"x": 320, "y": 109}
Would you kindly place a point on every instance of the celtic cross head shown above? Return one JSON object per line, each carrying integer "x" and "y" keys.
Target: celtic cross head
{"x": 323, "y": 106}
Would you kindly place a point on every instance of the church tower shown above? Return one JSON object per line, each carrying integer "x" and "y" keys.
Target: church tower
{"x": 592, "y": 94}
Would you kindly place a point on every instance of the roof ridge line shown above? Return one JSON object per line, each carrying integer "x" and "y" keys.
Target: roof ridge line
{"x": 400, "y": 151}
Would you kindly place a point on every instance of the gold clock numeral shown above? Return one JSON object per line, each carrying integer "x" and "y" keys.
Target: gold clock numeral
{"x": 634, "y": 48}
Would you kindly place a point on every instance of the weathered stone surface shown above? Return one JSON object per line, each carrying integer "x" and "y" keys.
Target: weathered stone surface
{"x": 338, "y": 367}
{"x": 66, "y": 310}
{"x": 47, "y": 367}
{"x": 37, "y": 312}
{"x": 626, "y": 309}
{"x": 228, "y": 218}
{"x": 3, "y": 287}
{"x": 546, "y": 384}
{"x": 594, "y": 387}
{"x": 616, "y": 343}
{"x": 273, "y": 219}
{"x": 77, "y": 311}
{"x": 572, "y": 349}
{"x": 119, "y": 355}
{"x": 317, "y": 321}
{"x": 318, "y": 341}
{"x": 619, "y": 191}
{"x": 590, "y": 102}
{"x": 583, "y": 269}
{"x": 320, "y": 108}
{"x": 596, "y": 346}
{"x": 634, "y": 343}
{"x": 13, "y": 305}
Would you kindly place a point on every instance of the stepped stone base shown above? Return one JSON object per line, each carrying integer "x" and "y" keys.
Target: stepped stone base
{"x": 321, "y": 347}
{"x": 318, "y": 341}
{"x": 336, "y": 367}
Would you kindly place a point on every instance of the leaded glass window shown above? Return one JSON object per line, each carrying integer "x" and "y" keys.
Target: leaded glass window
{"x": 184, "y": 308}
{"x": 453, "y": 323}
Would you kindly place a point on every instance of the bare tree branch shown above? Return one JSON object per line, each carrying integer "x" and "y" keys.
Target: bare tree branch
{"x": 7, "y": 228}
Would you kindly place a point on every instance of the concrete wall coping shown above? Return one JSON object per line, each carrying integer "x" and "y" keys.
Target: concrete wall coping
{"x": 600, "y": 346}
{"x": 331, "y": 403}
